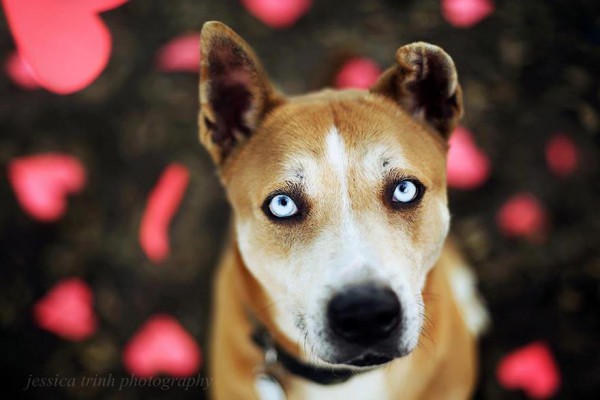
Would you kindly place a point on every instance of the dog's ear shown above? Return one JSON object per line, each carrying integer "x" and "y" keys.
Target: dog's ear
{"x": 425, "y": 84}
{"x": 235, "y": 93}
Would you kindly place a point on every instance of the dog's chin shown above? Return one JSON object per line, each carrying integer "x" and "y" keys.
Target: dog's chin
{"x": 368, "y": 359}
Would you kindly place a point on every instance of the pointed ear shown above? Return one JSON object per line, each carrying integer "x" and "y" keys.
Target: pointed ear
{"x": 425, "y": 84}
{"x": 235, "y": 93}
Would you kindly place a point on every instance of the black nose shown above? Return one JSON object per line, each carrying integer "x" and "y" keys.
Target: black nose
{"x": 364, "y": 314}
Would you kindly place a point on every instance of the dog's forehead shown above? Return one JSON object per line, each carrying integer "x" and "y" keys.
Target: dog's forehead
{"x": 337, "y": 160}
{"x": 323, "y": 133}
{"x": 362, "y": 129}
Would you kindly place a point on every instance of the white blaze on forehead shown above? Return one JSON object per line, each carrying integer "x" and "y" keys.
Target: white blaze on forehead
{"x": 337, "y": 158}
{"x": 336, "y": 152}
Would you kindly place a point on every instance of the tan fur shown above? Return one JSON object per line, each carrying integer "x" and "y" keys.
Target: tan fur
{"x": 342, "y": 148}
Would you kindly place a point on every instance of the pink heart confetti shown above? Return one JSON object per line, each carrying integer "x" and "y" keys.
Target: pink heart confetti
{"x": 42, "y": 182}
{"x": 468, "y": 167}
{"x": 562, "y": 155}
{"x": 522, "y": 216}
{"x": 357, "y": 73}
{"x": 180, "y": 54}
{"x": 66, "y": 310}
{"x": 163, "y": 202}
{"x": 531, "y": 368}
{"x": 65, "y": 42}
{"x": 20, "y": 73}
{"x": 162, "y": 345}
{"x": 278, "y": 14}
{"x": 466, "y": 13}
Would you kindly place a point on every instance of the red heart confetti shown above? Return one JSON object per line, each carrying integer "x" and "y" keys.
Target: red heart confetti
{"x": 468, "y": 167}
{"x": 357, "y": 73}
{"x": 162, "y": 345}
{"x": 41, "y": 183}
{"x": 466, "y": 13}
{"x": 67, "y": 311}
{"x": 181, "y": 54}
{"x": 162, "y": 204}
{"x": 531, "y": 368}
{"x": 20, "y": 73}
{"x": 278, "y": 14}
{"x": 522, "y": 216}
{"x": 65, "y": 42}
{"x": 562, "y": 155}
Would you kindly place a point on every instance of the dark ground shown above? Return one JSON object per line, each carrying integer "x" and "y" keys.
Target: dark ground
{"x": 528, "y": 71}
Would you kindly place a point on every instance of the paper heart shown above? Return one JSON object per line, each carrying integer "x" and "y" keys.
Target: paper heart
{"x": 19, "y": 71}
{"x": 66, "y": 310}
{"x": 65, "y": 42}
{"x": 468, "y": 167}
{"x": 358, "y": 73}
{"x": 41, "y": 183}
{"x": 531, "y": 368}
{"x": 162, "y": 345}
{"x": 277, "y": 13}
{"x": 522, "y": 216}
{"x": 466, "y": 13}
{"x": 162, "y": 204}
{"x": 180, "y": 54}
{"x": 562, "y": 155}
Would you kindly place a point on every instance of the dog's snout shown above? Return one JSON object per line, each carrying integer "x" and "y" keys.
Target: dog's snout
{"x": 364, "y": 314}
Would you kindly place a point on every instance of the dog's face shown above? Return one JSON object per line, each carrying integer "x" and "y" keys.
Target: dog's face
{"x": 339, "y": 198}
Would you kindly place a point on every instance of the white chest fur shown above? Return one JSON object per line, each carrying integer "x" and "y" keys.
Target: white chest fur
{"x": 367, "y": 386}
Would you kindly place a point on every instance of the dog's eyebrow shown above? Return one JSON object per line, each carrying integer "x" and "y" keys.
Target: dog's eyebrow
{"x": 295, "y": 177}
{"x": 289, "y": 180}
{"x": 295, "y": 167}
{"x": 298, "y": 173}
{"x": 381, "y": 155}
{"x": 298, "y": 168}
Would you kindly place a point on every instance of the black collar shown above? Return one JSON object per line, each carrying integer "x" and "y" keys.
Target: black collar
{"x": 314, "y": 373}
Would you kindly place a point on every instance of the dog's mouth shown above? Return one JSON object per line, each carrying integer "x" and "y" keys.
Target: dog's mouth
{"x": 369, "y": 360}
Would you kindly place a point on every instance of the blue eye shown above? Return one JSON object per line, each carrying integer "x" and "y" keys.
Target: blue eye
{"x": 405, "y": 192}
{"x": 282, "y": 206}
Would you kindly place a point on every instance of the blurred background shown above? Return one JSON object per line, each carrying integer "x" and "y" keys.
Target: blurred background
{"x": 126, "y": 143}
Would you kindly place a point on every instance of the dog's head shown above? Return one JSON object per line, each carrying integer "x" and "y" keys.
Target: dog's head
{"x": 339, "y": 197}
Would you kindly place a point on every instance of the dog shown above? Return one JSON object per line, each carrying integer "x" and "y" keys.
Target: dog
{"x": 338, "y": 280}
